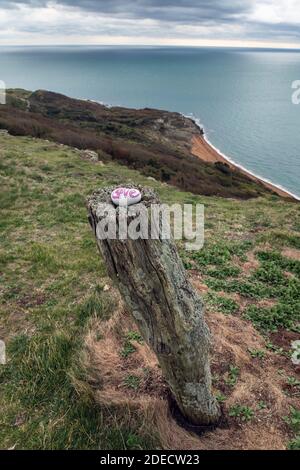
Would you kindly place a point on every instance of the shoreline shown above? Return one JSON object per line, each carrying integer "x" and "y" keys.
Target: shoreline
{"x": 205, "y": 151}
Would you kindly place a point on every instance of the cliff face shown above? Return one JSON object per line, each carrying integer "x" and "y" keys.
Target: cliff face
{"x": 155, "y": 142}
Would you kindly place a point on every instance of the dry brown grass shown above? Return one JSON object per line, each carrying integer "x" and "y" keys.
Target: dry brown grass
{"x": 258, "y": 380}
{"x": 251, "y": 264}
{"x": 292, "y": 253}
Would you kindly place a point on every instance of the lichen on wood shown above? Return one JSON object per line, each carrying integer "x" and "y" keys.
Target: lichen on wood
{"x": 166, "y": 308}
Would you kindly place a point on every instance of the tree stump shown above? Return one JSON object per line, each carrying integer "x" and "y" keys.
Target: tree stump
{"x": 167, "y": 310}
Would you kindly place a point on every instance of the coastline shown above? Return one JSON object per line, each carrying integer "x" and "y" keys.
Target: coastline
{"x": 194, "y": 134}
{"x": 205, "y": 151}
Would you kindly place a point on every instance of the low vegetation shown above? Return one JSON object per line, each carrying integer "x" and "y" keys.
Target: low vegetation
{"x": 55, "y": 295}
{"x": 156, "y": 143}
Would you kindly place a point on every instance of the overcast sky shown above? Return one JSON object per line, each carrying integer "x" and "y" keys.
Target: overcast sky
{"x": 274, "y": 23}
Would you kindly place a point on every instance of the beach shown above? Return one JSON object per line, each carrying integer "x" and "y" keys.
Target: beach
{"x": 202, "y": 149}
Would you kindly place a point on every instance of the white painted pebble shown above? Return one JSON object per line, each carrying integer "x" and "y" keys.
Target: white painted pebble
{"x": 125, "y": 196}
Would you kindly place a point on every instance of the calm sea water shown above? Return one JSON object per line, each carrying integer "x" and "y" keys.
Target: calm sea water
{"x": 241, "y": 97}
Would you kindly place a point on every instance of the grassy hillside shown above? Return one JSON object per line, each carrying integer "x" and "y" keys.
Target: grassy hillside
{"x": 78, "y": 374}
{"x": 157, "y": 143}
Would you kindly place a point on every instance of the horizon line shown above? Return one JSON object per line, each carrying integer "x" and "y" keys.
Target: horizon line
{"x": 194, "y": 46}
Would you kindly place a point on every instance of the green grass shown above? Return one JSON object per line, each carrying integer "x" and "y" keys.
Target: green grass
{"x": 282, "y": 238}
{"x": 98, "y": 304}
{"x": 52, "y": 282}
{"x": 46, "y": 410}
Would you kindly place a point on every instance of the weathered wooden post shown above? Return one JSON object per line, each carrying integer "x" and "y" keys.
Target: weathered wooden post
{"x": 166, "y": 308}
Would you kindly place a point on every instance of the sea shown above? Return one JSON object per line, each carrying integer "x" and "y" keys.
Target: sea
{"x": 242, "y": 97}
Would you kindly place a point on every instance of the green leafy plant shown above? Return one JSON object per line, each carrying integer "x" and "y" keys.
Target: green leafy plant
{"x": 261, "y": 405}
{"x": 232, "y": 376}
{"x": 251, "y": 289}
{"x": 284, "y": 263}
{"x": 282, "y": 315}
{"x": 293, "y": 382}
{"x": 270, "y": 273}
{"x": 294, "y": 444}
{"x": 222, "y": 304}
{"x": 245, "y": 413}
{"x": 220, "y": 397}
{"x": 132, "y": 381}
{"x": 134, "y": 336}
{"x": 128, "y": 348}
{"x": 293, "y": 420}
{"x": 216, "y": 254}
{"x": 275, "y": 349}
{"x": 257, "y": 353}
{"x": 224, "y": 272}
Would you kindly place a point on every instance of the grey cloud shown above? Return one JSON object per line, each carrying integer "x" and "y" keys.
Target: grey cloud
{"x": 223, "y": 14}
{"x": 165, "y": 10}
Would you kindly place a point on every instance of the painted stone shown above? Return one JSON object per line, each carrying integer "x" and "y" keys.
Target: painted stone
{"x": 125, "y": 196}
